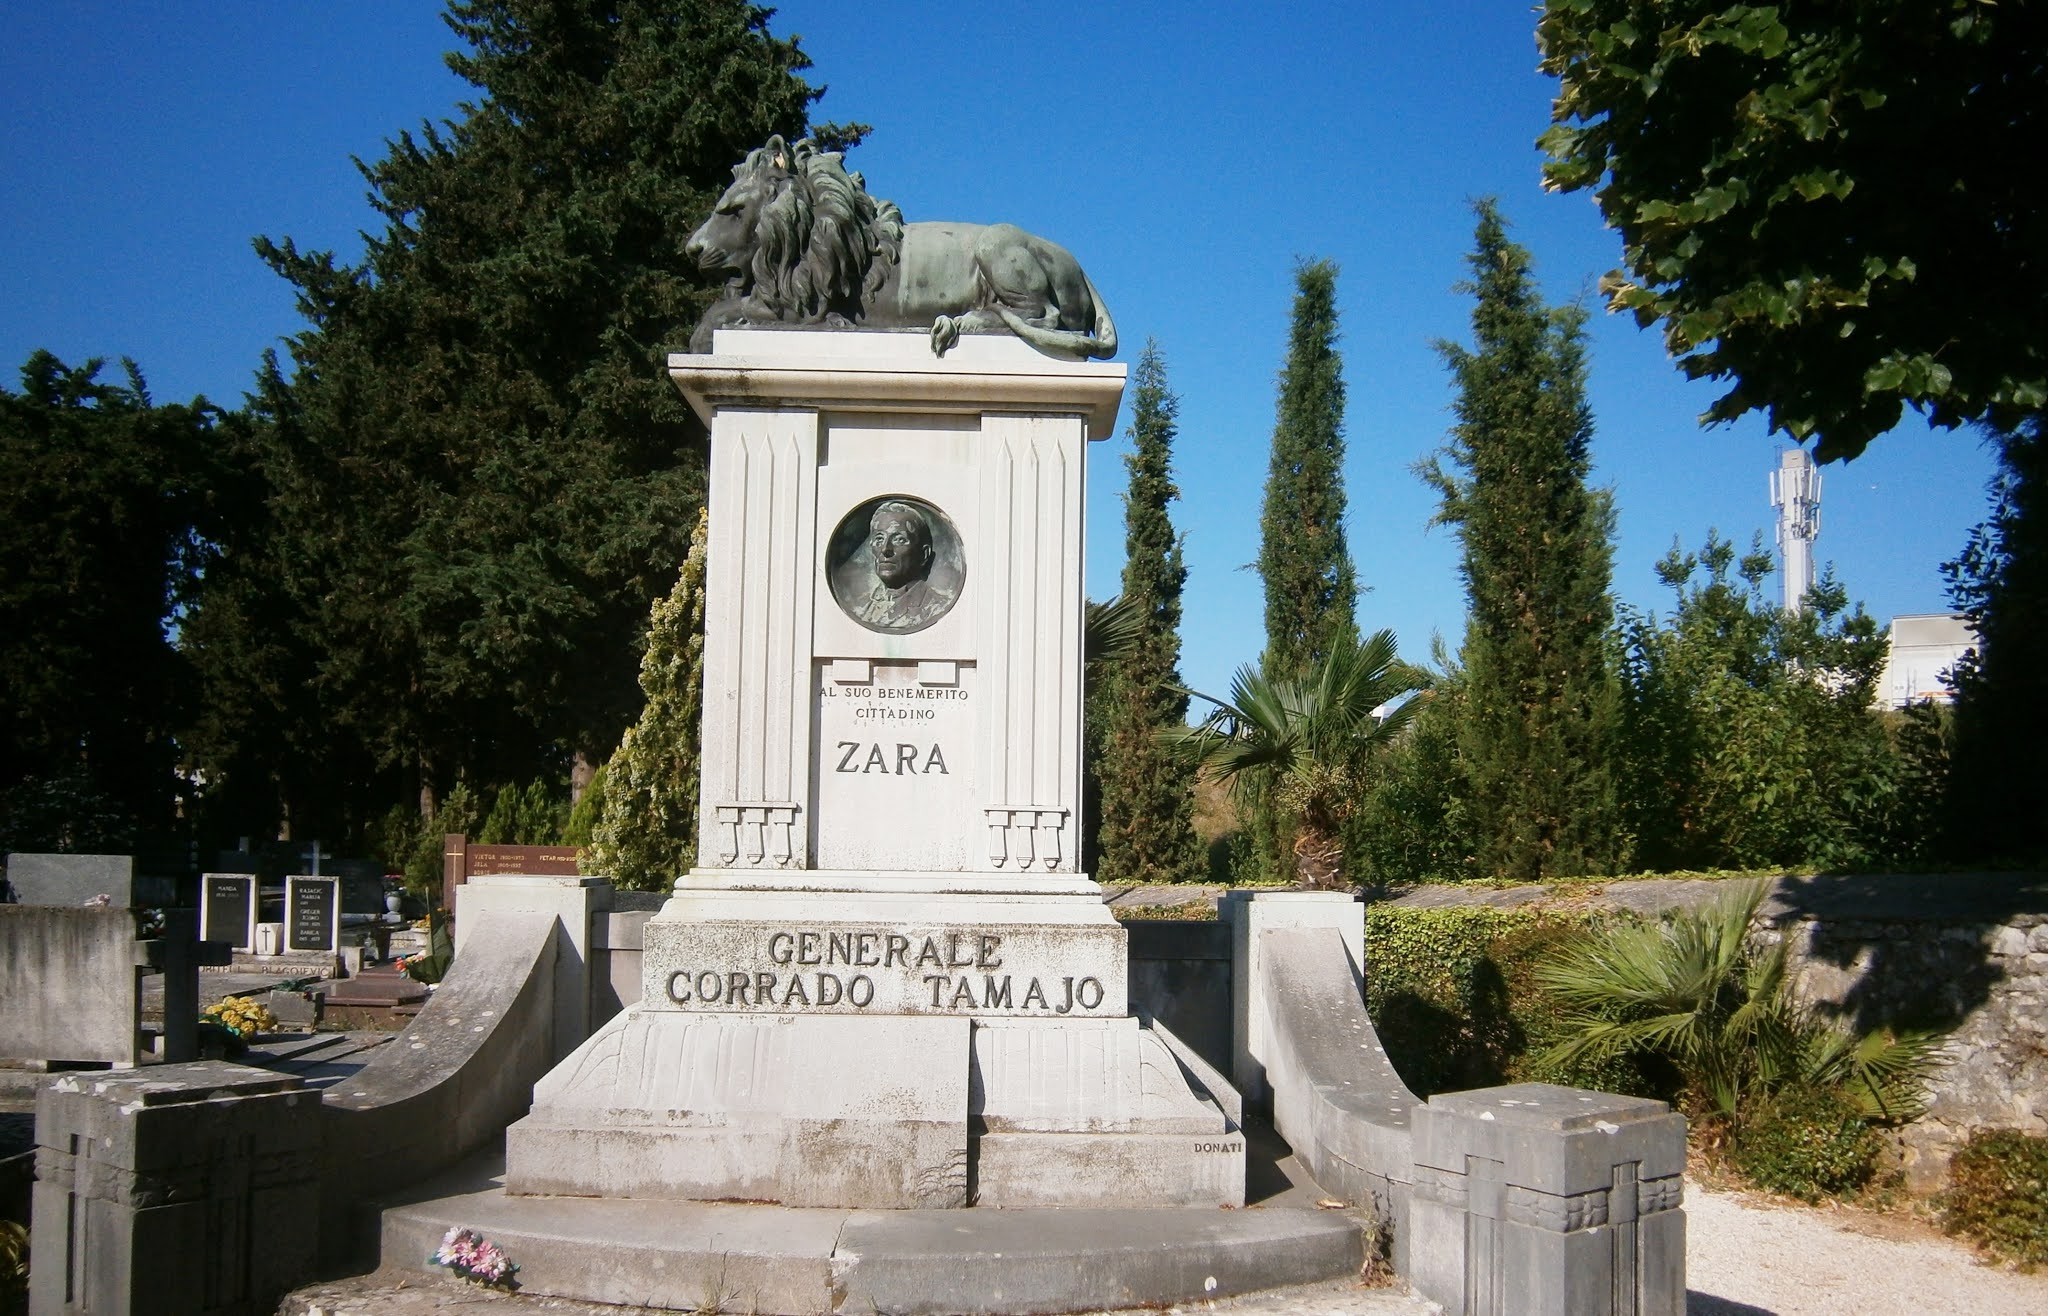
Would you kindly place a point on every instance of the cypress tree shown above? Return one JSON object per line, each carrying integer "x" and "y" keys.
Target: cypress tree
{"x": 647, "y": 836}
{"x": 1311, "y": 592}
{"x": 1541, "y": 703}
{"x": 1147, "y": 812}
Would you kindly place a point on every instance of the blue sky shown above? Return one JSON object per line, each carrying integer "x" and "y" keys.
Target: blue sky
{"x": 1187, "y": 154}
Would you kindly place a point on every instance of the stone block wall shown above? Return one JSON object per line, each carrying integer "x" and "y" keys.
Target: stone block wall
{"x": 1962, "y": 953}
{"x": 1987, "y": 983}
{"x": 69, "y": 980}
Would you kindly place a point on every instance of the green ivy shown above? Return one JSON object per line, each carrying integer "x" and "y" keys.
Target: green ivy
{"x": 1453, "y": 997}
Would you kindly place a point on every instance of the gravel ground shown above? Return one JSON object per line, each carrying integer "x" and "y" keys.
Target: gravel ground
{"x": 1746, "y": 1256}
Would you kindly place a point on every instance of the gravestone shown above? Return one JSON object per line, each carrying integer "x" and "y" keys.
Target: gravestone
{"x": 887, "y": 951}
{"x": 312, "y": 915}
{"x": 227, "y": 909}
{"x": 75, "y": 879}
{"x": 362, "y": 894}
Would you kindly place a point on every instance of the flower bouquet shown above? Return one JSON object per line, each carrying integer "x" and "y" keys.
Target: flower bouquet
{"x": 431, "y": 965}
{"x": 469, "y": 1255}
{"x": 230, "y": 1024}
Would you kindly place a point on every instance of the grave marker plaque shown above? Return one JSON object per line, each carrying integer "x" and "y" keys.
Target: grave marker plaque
{"x": 227, "y": 909}
{"x": 312, "y": 915}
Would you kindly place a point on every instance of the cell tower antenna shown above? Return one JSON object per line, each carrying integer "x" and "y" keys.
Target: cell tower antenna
{"x": 1795, "y": 492}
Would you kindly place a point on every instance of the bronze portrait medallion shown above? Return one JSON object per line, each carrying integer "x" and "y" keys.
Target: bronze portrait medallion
{"x": 894, "y": 564}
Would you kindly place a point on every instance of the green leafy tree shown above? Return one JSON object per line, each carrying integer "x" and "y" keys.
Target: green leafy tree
{"x": 524, "y": 815}
{"x": 1308, "y": 741}
{"x": 1998, "y": 778}
{"x": 1415, "y": 821}
{"x": 647, "y": 836}
{"x": 481, "y": 477}
{"x": 1147, "y": 813}
{"x": 108, "y": 515}
{"x": 1540, "y": 710}
{"x": 586, "y": 813}
{"x": 1751, "y": 740}
{"x": 454, "y": 813}
{"x": 1829, "y": 207}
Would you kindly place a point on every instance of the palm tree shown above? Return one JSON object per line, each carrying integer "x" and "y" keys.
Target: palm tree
{"x": 1310, "y": 739}
{"x": 1695, "y": 990}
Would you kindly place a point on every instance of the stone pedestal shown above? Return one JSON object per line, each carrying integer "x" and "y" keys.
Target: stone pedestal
{"x": 1548, "y": 1200}
{"x": 183, "y": 1188}
{"x": 577, "y": 904}
{"x": 887, "y": 984}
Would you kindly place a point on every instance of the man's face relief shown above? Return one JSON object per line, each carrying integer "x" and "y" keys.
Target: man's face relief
{"x": 900, "y": 549}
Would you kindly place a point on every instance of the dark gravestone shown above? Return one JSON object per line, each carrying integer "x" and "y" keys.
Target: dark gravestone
{"x": 362, "y": 893}
{"x": 227, "y": 909}
{"x": 362, "y": 870}
{"x": 312, "y": 917}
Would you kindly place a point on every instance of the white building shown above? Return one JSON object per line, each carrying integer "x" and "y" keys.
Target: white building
{"x": 1924, "y": 646}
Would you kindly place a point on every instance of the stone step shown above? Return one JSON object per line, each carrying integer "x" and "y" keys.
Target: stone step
{"x": 376, "y": 987}
{"x": 803, "y": 1261}
{"x": 285, "y": 1048}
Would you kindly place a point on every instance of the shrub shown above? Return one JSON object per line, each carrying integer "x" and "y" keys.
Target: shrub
{"x": 13, "y": 1266}
{"x": 1998, "y": 1195}
{"x": 1452, "y": 995}
{"x": 1806, "y": 1141}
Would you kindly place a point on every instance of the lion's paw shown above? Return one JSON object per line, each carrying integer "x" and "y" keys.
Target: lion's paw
{"x": 945, "y": 333}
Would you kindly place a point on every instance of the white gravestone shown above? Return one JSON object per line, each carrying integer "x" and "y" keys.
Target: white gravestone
{"x": 889, "y": 821}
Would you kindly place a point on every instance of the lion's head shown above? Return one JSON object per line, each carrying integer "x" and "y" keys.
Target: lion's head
{"x": 800, "y": 234}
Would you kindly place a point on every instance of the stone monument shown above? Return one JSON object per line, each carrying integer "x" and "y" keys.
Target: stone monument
{"x": 886, "y": 983}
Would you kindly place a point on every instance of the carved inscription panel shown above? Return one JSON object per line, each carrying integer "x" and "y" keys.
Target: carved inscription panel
{"x": 894, "y": 766}
{"x": 848, "y": 968}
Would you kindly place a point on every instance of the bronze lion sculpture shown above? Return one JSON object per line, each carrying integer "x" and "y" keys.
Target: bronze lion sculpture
{"x": 807, "y": 245}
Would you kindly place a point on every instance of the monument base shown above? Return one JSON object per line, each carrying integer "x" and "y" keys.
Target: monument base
{"x": 891, "y": 1111}
{"x": 804, "y": 1110}
{"x": 872, "y": 944}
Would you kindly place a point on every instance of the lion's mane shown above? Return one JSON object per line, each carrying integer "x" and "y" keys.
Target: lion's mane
{"x": 821, "y": 244}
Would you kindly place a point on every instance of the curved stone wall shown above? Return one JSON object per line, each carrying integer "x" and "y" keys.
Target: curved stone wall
{"x": 448, "y": 1086}
{"x": 1336, "y": 1098}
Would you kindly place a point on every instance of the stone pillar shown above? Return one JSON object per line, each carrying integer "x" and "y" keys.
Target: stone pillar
{"x": 1250, "y": 915}
{"x": 886, "y": 949}
{"x": 577, "y": 904}
{"x": 1539, "y": 1200}
{"x": 187, "y": 1189}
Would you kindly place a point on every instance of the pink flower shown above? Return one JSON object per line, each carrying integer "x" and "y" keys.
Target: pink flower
{"x": 466, "y": 1252}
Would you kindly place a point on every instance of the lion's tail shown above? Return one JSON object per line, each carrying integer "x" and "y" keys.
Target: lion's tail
{"x": 1100, "y": 342}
